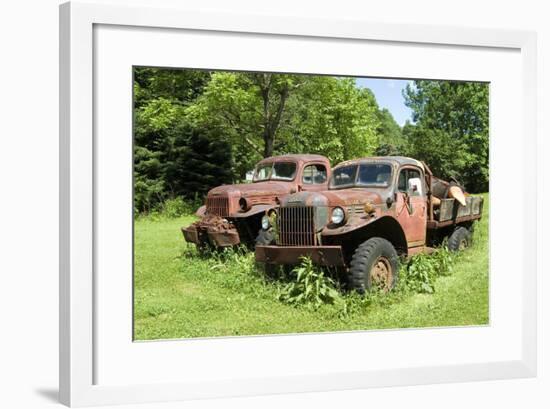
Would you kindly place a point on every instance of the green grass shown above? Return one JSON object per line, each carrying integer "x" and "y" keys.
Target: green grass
{"x": 179, "y": 294}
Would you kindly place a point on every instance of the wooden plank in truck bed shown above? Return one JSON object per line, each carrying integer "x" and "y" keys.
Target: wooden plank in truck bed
{"x": 452, "y": 212}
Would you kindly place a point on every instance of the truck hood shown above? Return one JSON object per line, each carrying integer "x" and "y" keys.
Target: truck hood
{"x": 269, "y": 188}
{"x": 347, "y": 197}
{"x": 343, "y": 197}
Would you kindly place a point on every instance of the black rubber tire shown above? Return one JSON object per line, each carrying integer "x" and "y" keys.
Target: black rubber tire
{"x": 364, "y": 257}
{"x": 460, "y": 238}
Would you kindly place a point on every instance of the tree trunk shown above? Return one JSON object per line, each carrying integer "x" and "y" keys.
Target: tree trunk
{"x": 271, "y": 120}
{"x": 268, "y": 146}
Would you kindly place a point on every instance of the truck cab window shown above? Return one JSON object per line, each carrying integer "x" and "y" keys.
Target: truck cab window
{"x": 404, "y": 176}
{"x": 314, "y": 175}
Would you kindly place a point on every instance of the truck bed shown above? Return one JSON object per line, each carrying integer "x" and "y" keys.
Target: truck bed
{"x": 451, "y": 211}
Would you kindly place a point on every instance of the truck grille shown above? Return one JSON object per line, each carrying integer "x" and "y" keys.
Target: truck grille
{"x": 218, "y": 206}
{"x": 296, "y": 226}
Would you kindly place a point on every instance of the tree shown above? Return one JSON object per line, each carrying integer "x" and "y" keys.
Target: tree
{"x": 197, "y": 163}
{"x": 248, "y": 109}
{"x": 265, "y": 114}
{"x": 446, "y": 156}
{"x": 177, "y": 85}
{"x": 461, "y": 111}
{"x": 390, "y": 135}
{"x": 334, "y": 118}
{"x": 163, "y": 139}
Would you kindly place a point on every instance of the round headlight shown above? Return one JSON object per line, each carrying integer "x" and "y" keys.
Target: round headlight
{"x": 338, "y": 215}
{"x": 265, "y": 222}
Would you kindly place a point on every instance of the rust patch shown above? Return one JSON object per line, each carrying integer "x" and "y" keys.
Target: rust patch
{"x": 218, "y": 231}
{"x": 322, "y": 255}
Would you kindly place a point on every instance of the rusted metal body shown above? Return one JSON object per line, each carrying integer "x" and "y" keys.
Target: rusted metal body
{"x": 398, "y": 209}
{"x": 232, "y": 213}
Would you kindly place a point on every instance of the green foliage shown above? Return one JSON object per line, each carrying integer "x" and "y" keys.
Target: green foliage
{"x": 237, "y": 265}
{"x": 333, "y": 118}
{"x": 247, "y": 109}
{"x": 265, "y": 114}
{"x": 175, "y": 208}
{"x": 197, "y": 162}
{"x": 455, "y": 115}
{"x": 171, "y": 209}
{"x": 392, "y": 141}
{"x": 149, "y": 186}
{"x": 179, "y": 85}
{"x": 178, "y": 207}
{"x": 446, "y": 156}
{"x": 310, "y": 287}
{"x": 421, "y": 270}
{"x": 167, "y": 148}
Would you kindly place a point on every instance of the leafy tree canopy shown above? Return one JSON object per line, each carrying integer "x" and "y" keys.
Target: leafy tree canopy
{"x": 266, "y": 114}
{"x": 458, "y": 112}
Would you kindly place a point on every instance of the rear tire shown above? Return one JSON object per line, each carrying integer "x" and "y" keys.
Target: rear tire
{"x": 375, "y": 264}
{"x": 460, "y": 239}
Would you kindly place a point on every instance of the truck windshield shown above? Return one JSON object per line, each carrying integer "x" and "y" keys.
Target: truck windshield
{"x": 275, "y": 171}
{"x": 365, "y": 174}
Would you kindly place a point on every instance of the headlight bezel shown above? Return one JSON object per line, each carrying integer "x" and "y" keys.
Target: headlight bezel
{"x": 244, "y": 204}
{"x": 341, "y": 216}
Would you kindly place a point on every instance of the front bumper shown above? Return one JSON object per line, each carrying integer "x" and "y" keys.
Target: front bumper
{"x": 321, "y": 255}
{"x": 201, "y": 234}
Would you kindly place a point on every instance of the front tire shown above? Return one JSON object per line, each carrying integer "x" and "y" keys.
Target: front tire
{"x": 375, "y": 264}
{"x": 460, "y": 239}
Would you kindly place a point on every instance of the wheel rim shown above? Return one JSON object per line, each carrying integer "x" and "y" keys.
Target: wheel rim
{"x": 463, "y": 244}
{"x": 381, "y": 274}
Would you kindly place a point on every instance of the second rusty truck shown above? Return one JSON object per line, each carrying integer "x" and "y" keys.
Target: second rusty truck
{"x": 232, "y": 213}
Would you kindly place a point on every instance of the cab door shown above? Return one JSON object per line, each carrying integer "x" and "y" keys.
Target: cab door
{"x": 314, "y": 177}
{"x": 411, "y": 205}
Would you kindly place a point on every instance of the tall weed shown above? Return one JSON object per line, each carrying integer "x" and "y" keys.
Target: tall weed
{"x": 311, "y": 287}
{"x": 419, "y": 273}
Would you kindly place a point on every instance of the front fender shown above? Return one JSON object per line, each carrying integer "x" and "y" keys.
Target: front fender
{"x": 254, "y": 210}
{"x": 355, "y": 223}
{"x": 386, "y": 227}
{"x": 201, "y": 211}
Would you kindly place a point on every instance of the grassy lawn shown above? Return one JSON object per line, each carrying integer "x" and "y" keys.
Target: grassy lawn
{"x": 179, "y": 294}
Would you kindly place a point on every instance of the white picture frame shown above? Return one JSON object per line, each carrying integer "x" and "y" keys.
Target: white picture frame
{"x": 79, "y": 290}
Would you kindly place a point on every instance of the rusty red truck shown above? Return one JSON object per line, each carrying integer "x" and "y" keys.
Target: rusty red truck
{"x": 376, "y": 209}
{"x": 232, "y": 213}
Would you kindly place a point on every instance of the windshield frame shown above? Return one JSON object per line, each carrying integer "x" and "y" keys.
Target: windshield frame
{"x": 270, "y": 178}
{"x": 355, "y": 181}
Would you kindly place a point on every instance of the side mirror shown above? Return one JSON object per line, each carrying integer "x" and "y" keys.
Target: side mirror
{"x": 415, "y": 187}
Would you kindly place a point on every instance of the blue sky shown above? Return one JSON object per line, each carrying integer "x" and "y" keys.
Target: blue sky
{"x": 388, "y": 93}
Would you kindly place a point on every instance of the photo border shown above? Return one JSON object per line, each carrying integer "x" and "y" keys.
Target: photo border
{"x": 77, "y": 199}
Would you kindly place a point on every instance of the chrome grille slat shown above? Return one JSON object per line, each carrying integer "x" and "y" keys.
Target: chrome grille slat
{"x": 356, "y": 209}
{"x": 296, "y": 226}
